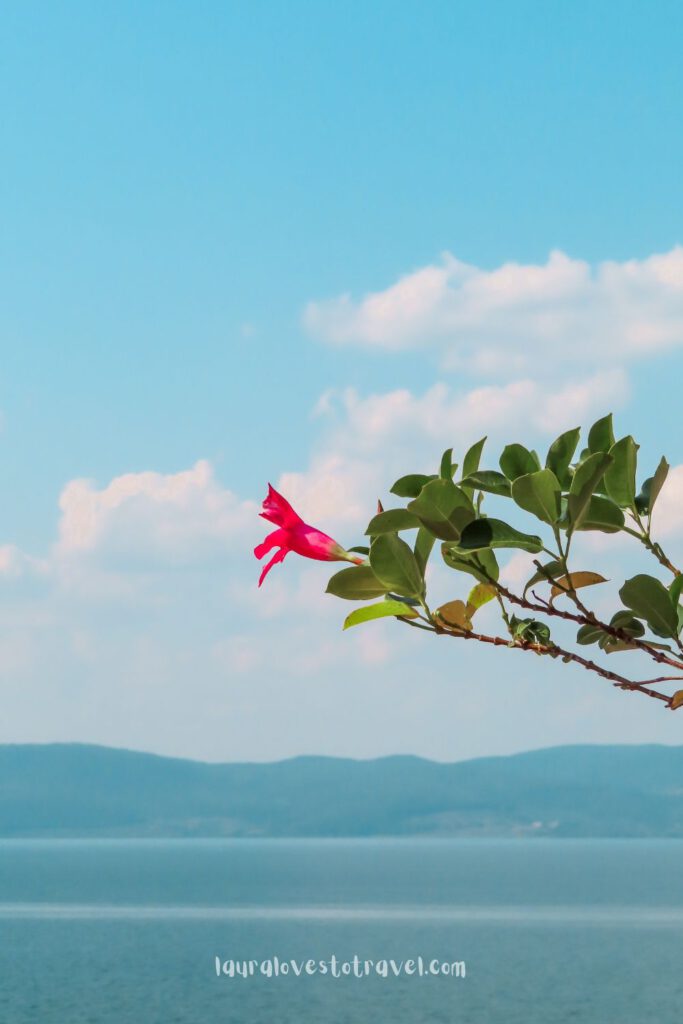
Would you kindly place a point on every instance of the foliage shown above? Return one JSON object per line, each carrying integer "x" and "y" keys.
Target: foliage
{"x": 443, "y": 516}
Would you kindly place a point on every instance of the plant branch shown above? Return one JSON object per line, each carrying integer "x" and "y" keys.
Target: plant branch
{"x": 587, "y": 618}
{"x": 653, "y": 546}
{"x": 555, "y": 651}
{"x": 415, "y": 625}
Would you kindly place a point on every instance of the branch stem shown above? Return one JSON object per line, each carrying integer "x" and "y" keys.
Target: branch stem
{"x": 587, "y": 618}
{"x": 555, "y": 651}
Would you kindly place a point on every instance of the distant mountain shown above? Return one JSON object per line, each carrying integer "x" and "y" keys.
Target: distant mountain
{"x": 78, "y": 790}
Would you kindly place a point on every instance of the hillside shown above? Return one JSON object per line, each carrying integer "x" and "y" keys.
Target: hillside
{"x": 78, "y": 790}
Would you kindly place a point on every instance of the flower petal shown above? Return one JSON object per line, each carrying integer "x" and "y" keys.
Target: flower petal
{"x": 277, "y": 557}
{"x": 277, "y": 509}
{"x": 278, "y": 538}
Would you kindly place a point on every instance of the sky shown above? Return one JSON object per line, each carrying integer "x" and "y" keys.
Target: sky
{"x": 313, "y": 244}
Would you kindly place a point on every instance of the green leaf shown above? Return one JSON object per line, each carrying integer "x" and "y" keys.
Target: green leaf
{"x": 589, "y": 635}
{"x": 410, "y": 486}
{"x": 517, "y": 460}
{"x": 531, "y": 630}
{"x": 379, "y": 611}
{"x": 589, "y": 471}
{"x": 480, "y": 595}
{"x": 447, "y": 467}
{"x": 489, "y": 480}
{"x": 628, "y": 623}
{"x": 391, "y": 521}
{"x": 395, "y": 566}
{"x": 612, "y": 645}
{"x": 658, "y": 481}
{"x": 359, "y": 549}
{"x": 561, "y": 453}
{"x": 455, "y": 614}
{"x": 675, "y": 589}
{"x": 482, "y": 565}
{"x": 642, "y": 502}
{"x": 574, "y": 581}
{"x": 587, "y": 476}
{"x": 601, "y": 435}
{"x": 602, "y": 514}
{"x": 552, "y": 569}
{"x": 443, "y": 509}
{"x": 620, "y": 477}
{"x": 411, "y": 601}
{"x": 539, "y": 493}
{"x": 424, "y": 542}
{"x": 494, "y": 533}
{"x": 650, "y": 600}
{"x": 471, "y": 461}
{"x": 650, "y": 491}
{"x": 358, "y": 583}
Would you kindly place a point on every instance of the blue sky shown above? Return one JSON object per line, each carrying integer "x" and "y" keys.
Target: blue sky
{"x": 176, "y": 187}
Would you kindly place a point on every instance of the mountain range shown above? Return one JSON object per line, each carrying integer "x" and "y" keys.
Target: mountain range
{"x": 68, "y": 790}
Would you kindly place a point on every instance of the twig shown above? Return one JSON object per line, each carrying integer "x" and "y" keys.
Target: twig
{"x": 555, "y": 651}
{"x": 415, "y": 625}
{"x": 588, "y": 619}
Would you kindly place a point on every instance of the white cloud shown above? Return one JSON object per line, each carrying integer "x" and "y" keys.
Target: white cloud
{"x": 443, "y": 414}
{"x": 151, "y": 517}
{"x": 14, "y": 563}
{"x": 667, "y": 520}
{"x": 517, "y": 315}
{"x": 518, "y": 569}
{"x": 373, "y": 439}
{"x": 334, "y": 489}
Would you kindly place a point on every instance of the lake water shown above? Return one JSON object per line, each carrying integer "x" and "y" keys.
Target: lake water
{"x": 127, "y": 932}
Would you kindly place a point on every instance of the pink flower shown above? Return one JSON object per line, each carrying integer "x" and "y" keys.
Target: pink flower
{"x": 295, "y": 535}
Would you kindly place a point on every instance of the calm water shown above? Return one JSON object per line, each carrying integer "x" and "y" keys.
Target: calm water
{"x": 127, "y": 932}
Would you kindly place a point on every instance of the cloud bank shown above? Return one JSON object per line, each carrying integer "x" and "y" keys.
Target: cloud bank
{"x": 177, "y": 518}
{"x": 517, "y": 315}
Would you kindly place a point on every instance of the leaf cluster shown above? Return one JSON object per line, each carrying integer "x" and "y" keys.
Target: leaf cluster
{"x": 574, "y": 489}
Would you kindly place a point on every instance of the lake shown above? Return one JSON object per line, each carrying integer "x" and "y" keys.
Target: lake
{"x": 545, "y": 931}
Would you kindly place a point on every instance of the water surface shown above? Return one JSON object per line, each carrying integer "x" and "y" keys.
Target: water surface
{"x": 127, "y": 932}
